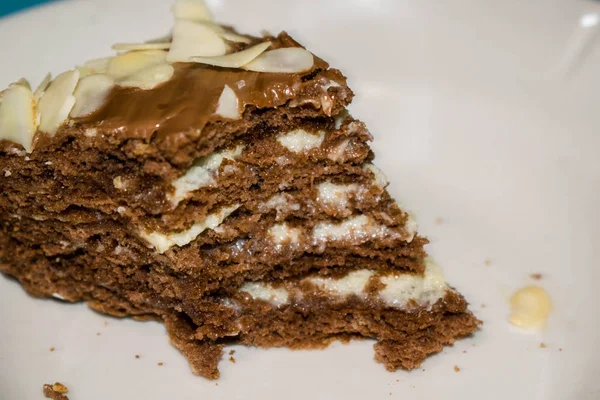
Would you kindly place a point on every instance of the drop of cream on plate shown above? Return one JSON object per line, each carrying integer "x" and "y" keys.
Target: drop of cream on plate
{"x": 530, "y": 306}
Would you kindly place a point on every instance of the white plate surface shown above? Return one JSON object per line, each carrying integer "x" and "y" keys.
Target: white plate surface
{"x": 485, "y": 114}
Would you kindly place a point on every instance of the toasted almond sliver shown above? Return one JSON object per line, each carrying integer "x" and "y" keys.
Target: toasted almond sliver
{"x": 234, "y": 37}
{"x": 18, "y": 120}
{"x": 163, "y": 39}
{"x": 287, "y": 60}
{"x": 90, "y": 94}
{"x": 234, "y": 60}
{"x": 226, "y": 34}
{"x": 99, "y": 65}
{"x": 58, "y": 100}
{"x": 215, "y": 27}
{"x": 192, "y": 10}
{"x": 127, "y": 64}
{"x": 141, "y": 46}
{"x": 194, "y": 39}
{"x": 23, "y": 82}
{"x": 149, "y": 77}
{"x": 228, "y": 104}
{"x": 39, "y": 91}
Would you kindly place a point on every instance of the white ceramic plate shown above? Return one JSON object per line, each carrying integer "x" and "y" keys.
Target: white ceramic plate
{"x": 485, "y": 115}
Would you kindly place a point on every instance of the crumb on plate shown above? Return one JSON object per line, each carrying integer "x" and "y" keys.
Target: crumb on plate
{"x": 57, "y": 391}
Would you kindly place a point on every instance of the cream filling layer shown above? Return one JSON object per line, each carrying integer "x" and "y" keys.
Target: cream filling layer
{"x": 400, "y": 288}
{"x": 337, "y": 196}
{"x": 358, "y": 229}
{"x": 283, "y": 233}
{"x": 163, "y": 242}
{"x": 380, "y": 178}
{"x": 299, "y": 140}
{"x": 202, "y": 174}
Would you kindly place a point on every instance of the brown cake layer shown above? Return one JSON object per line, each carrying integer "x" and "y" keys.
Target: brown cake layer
{"x": 94, "y": 251}
{"x": 177, "y": 122}
{"x": 86, "y": 232}
{"x": 404, "y": 339}
{"x": 78, "y": 174}
{"x": 201, "y": 328}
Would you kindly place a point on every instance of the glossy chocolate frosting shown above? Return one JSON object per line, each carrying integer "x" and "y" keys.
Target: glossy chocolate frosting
{"x": 187, "y": 102}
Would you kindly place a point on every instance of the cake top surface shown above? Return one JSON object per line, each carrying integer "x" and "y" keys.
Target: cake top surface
{"x": 170, "y": 88}
{"x": 192, "y": 96}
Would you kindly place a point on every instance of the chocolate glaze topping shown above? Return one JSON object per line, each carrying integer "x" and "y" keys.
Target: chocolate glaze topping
{"x": 187, "y": 102}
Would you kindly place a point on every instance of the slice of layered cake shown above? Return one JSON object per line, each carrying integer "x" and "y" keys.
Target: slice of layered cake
{"x": 214, "y": 181}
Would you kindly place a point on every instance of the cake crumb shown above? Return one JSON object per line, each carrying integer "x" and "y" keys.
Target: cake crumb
{"x": 483, "y": 305}
{"x": 439, "y": 221}
{"x": 56, "y": 391}
{"x": 60, "y": 388}
{"x": 390, "y": 393}
{"x": 98, "y": 334}
{"x": 456, "y": 368}
{"x": 105, "y": 323}
{"x": 52, "y": 349}
{"x": 160, "y": 364}
{"x": 464, "y": 351}
{"x": 232, "y": 359}
{"x": 487, "y": 262}
{"x": 231, "y": 352}
{"x": 137, "y": 356}
{"x": 543, "y": 345}
{"x": 560, "y": 349}
{"x": 537, "y": 277}
{"x": 216, "y": 383}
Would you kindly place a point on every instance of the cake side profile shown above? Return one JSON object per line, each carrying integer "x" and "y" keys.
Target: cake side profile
{"x": 215, "y": 181}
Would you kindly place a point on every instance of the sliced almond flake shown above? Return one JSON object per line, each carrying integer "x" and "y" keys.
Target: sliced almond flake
{"x": 234, "y": 60}
{"x": 58, "y": 100}
{"x": 287, "y": 60}
{"x": 24, "y": 82}
{"x": 149, "y": 77}
{"x": 98, "y": 65}
{"x": 228, "y": 104}
{"x": 127, "y": 64}
{"x": 226, "y": 34}
{"x": 234, "y": 37}
{"x": 215, "y": 27}
{"x": 194, "y": 39}
{"x": 91, "y": 93}
{"x": 192, "y": 10}
{"x": 141, "y": 46}
{"x": 18, "y": 115}
{"x": 163, "y": 39}
{"x": 39, "y": 91}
